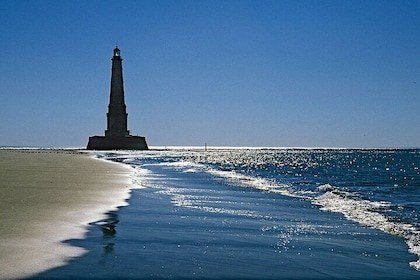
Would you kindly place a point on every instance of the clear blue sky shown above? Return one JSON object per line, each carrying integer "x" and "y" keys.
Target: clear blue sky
{"x": 226, "y": 73}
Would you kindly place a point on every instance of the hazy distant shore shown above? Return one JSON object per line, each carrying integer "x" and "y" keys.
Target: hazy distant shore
{"x": 48, "y": 196}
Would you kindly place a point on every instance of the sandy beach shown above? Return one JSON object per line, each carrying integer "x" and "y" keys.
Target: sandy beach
{"x": 49, "y": 196}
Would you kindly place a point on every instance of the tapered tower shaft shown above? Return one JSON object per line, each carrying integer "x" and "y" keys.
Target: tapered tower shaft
{"x": 117, "y": 114}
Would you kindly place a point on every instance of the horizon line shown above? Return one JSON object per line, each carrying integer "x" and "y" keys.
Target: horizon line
{"x": 205, "y": 147}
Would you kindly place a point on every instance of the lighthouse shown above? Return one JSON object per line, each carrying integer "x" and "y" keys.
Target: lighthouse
{"x": 117, "y": 136}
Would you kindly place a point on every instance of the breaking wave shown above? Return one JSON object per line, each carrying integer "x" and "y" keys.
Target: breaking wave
{"x": 368, "y": 213}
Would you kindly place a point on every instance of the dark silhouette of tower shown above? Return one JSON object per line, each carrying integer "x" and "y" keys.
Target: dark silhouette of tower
{"x": 117, "y": 115}
{"x": 117, "y": 136}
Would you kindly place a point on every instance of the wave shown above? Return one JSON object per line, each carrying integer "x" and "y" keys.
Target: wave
{"x": 331, "y": 199}
{"x": 367, "y": 213}
{"x": 326, "y": 197}
{"x": 349, "y": 204}
{"x": 255, "y": 182}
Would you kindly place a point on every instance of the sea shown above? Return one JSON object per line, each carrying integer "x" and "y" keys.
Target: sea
{"x": 258, "y": 213}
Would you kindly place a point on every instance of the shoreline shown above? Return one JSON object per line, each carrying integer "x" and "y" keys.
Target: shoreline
{"x": 190, "y": 223}
{"x": 49, "y": 196}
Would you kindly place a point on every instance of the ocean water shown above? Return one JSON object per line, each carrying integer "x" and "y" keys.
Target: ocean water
{"x": 259, "y": 214}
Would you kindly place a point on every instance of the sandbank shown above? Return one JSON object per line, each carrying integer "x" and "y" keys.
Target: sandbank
{"x": 49, "y": 196}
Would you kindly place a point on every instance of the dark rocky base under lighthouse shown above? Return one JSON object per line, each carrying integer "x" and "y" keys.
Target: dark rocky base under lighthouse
{"x": 117, "y": 143}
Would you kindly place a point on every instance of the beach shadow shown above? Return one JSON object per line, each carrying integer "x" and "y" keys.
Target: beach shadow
{"x": 108, "y": 227}
{"x": 100, "y": 246}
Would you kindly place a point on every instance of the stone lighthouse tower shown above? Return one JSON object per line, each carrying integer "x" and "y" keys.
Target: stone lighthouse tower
{"x": 117, "y": 136}
{"x": 117, "y": 115}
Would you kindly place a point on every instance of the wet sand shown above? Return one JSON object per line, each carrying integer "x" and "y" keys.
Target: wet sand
{"x": 49, "y": 196}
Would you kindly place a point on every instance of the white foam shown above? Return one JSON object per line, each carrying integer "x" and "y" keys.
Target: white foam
{"x": 255, "y": 182}
{"x": 352, "y": 207}
{"x": 367, "y": 213}
{"x": 326, "y": 187}
{"x": 182, "y": 197}
{"x": 182, "y": 164}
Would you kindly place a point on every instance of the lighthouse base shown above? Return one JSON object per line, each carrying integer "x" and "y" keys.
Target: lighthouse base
{"x": 117, "y": 143}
